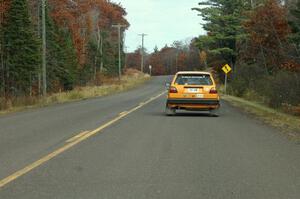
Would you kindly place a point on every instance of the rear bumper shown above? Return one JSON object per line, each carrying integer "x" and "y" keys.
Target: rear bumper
{"x": 182, "y": 101}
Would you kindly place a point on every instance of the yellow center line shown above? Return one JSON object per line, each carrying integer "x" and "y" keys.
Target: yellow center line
{"x": 77, "y": 136}
{"x": 122, "y": 113}
{"x": 72, "y": 142}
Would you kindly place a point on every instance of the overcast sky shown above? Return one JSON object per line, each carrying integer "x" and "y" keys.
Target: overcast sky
{"x": 163, "y": 20}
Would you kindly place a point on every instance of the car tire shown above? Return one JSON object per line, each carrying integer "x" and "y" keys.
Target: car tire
{"x": 214, "y": 113}
{"x": 170, "y": 111}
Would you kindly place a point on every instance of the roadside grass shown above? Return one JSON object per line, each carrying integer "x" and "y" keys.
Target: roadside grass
{"x": 288, "y": 124}
{"x": 110, "y": 86}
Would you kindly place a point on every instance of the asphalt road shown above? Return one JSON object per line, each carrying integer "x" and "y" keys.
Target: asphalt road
{"x": 145, "y": 154}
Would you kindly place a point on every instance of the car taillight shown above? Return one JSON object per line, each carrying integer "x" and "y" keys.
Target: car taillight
{"x": 173, "y": 90}
{"x": 213, "y": 91}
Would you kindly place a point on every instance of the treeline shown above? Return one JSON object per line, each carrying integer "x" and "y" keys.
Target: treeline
{"x": 181, "y": 55}
{"x": 81, "y": 44}
{"x": 261, "y": 41}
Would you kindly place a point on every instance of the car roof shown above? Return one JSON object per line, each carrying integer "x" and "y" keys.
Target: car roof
{"x": 194, "y": 72}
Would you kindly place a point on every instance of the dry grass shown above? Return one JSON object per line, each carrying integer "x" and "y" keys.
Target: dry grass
{"x": 110, "y": 86}
{"x": 288, "y": 124}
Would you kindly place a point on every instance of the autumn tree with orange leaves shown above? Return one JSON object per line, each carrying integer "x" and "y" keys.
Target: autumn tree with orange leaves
{"x": 80, "y": 41}
{"x": 88, "y": 20}
{"x": 169, "y": 59}
{"x": 90, "y": 23}
{"x": 268, "y": 31}
{"x": 262, "y": 44}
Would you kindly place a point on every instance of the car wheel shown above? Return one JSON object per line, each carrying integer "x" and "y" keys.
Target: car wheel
{"x": 214, "y": 112}
{"x": 170, "y": 111}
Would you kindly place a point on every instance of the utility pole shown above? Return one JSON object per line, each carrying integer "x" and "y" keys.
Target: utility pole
{"x": 44, "y": 68}
{"x": 142, "y": 51}
{"x": 119, "y": 26}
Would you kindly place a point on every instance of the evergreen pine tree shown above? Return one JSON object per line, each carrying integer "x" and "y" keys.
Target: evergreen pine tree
{"x": 224, "y": 26}
{"x": 21, "y": 47}
{"x": 71, "y": 65}
{"x": 61, "y": 57}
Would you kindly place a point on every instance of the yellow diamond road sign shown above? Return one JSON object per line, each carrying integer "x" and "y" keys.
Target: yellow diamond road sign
{"x": 226, "y": 68}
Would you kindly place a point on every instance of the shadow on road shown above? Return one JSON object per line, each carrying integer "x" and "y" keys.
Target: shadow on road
{"x": 183, "y": 114}
{"x": 192, "y": 114}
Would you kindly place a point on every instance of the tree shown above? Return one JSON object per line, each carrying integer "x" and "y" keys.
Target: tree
{"x": 169, "y": 60}
{"x": 224, "y": 27}
{"x": 80, "y": 43}
{"x": 155, "y": 49}
{"x": 61, "y": 57}
{"x": 157, "y": 65}
{"x": 295, "y": 25}
{"x": 91, "y": 21}
{"x": 134, "y": 59}
{"x": 193, "y": 60}
{"x": 203, "y": 57}
{"x": 4, "y": 6}
{"x": 21, "y": 48}
{"x": 268, "y": 31}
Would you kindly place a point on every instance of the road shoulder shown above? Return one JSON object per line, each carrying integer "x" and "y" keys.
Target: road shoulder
{"x": 82, "y": 93}
{"x": 289, "y": 125}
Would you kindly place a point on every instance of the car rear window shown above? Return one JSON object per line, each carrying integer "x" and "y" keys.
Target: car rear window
{"x": 186, "y": 79}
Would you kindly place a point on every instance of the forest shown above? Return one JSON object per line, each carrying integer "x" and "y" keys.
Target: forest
{"x": 81, "y": 44}
{"x": 181, "y": 55}
{"x": 259, "y": 39}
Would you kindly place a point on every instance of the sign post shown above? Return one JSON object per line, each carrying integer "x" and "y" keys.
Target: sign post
{"x": 227, "y": 69}
{"x": 226, "y": 78}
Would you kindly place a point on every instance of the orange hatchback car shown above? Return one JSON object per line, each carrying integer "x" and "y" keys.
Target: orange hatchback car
{"x": 193, "y": 91}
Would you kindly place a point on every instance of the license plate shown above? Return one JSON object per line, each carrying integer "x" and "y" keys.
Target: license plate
{"x": 192, "y": 90}
{"x": 199, "y": 96}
